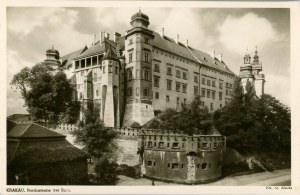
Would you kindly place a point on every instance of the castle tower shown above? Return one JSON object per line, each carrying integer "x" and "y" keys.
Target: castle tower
{"x": 138, "y": 71}
{"x": 110, "y": 111}
{"x": 52, "y": 58}
{"x": 259, "y": 76}
{"x": 246, "y": 71}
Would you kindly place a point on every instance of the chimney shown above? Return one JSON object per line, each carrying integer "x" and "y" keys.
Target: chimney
{"x": 116, "y": 36}
{"x": 102, "y": 35}
{"x": 162, "y": 32}
{"x": 219, "y": 57}
{"x": 94, "y": 39}
{"x": 107, "y": 35}
{"x": 177, "y": 38}
{"x": 187, "y": 42}
{"x": 212, "y": 54}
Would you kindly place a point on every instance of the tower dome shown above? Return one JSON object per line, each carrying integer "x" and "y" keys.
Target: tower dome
{"x": 139, "y": 19}
{"x": 52, "y": 57}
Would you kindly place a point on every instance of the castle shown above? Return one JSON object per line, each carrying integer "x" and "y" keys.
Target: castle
{"x": 130, "y": 78}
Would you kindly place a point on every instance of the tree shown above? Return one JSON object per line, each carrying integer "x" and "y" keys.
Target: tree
{"x": 47, "y": 95}
{"x": 252, "y": 123}
{"x": 106, "y": 172}
{"x": 96, "y": 139}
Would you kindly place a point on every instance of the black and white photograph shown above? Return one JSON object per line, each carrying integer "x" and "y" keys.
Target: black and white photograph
{"x": 139, "y": 94}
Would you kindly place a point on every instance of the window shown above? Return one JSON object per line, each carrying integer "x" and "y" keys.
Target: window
{"x": 156, "y": 81}
{"x": 149, "y": 164}
{"x": 117, "y": 70}
{"x": 178, "y": 73}
{"x": 204, "y": 165}
{"x": 211, "y": 106}
{"x": 149, "y": 143}
{"x": 168, "y": 145}
{"x": 196, "y": 79}
{"x": 137, "y": 91}
{"x": 169, "y": 85}
{"x": 130, "y": 41}
{"x": 161, "y": 145}
{"x": 184, "y": 86}
{"x": 129, "y": 74}
{"x": 146, "y": 74}
{"x": 88, "y": 61}
{"x": 146, "y": 40}
{"x": 156, "y": 67}
{"x": 213, "y": 94}
{"x": 177, "y": 101}
{"x": 156, "y": 95}
{"x": 220, "y": 105}
{"x": 76, "y": 64}
{"x": 182, "y": 145}
{"x": 109, "y": 69}
{"x": 208, "y": 93}
{"x": 184, "y": 101}
{"x": 226, "y": 92}
{"x": 146, "y": 56}
{"x": 221, "y": 84}
{"x": 184, "y": 75}
{"x": 220, "y": 95}
{"x": 203, "y": 92}
{"x": 146, "y": 92}
{"x": 213, "y": 83}
{"x": 82, "y": 63}
{"x": 195, "y": 90}
{"x": 168, "y": 164}
{"x": 130, "y": 57}
{"x": 167, "y": 98}
{"x": 227, "y": 84}
{"x": 203, "y": 81}
{"x": 182, "y": 166}
{"x": 175, "y": 166}
{"x": 177, "y": 86}
{"x": 208, "y": 82}
{"x": 129, "y": 91}
{"x": 94, "y": 60}
{"x": 169, "y": 71}
{"x": 204, "y": 145}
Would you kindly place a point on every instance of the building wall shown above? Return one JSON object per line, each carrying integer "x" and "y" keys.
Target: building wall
{"x": 204, "y": 79}
{"x": 178, "y": 157}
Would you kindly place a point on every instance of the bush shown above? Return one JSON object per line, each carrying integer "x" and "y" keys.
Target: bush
{"x": 135, "y": 125}
{"x": 127, "y": 171}
{"x": 106, "y": 172}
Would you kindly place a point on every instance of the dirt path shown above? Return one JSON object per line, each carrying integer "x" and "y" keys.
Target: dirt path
{"x": 278, "y": 177}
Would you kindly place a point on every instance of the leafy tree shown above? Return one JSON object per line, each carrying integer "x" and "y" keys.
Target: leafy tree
{"x": 135, "y": 125}
{"x": 47, "y": 94}
{"x": 106, "y": 172}
{"x": 94, "y": 136}
{"x": 190, "y": 119}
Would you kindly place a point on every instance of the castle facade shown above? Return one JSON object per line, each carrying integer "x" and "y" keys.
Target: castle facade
{"x": 132, "y": 77}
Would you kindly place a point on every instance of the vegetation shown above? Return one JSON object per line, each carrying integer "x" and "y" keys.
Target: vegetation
{"x": 190, "y": 119}
{"x": 106, "y": 172}
{"x": 47, "y": 95}
{"x": 253, "y": 125}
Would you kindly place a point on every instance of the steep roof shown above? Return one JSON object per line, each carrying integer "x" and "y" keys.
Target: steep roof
{"x": 168, "y": 44}
{"x": 31, "y": 143}
{"x": 31, "y": 130}
{"x": 67, "y": 59}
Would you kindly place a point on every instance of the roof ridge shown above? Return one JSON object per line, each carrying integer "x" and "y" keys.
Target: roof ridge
{"x": 48, "y": 129}
{"x": 29, "y": 124}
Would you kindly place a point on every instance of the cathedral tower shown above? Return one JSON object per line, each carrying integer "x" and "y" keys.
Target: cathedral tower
{"x": 246, "y": 71}
{"x": 53, "y": 58}
{"x": 259, "y": 82}
{"x": 138, "y": 90}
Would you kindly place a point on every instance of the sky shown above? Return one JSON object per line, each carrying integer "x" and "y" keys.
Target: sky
{"x": 228, "y": 31}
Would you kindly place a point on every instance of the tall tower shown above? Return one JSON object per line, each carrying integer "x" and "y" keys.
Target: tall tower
{"x": 246, "y": 71}
{"x": 110, "y": 111}
{"x": 138, "y": 79}
{"x": 259, "y": 82}
{"x": 52, "y": 58}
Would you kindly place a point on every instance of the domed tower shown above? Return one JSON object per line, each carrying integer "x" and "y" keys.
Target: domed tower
{"x": 138, "y": 71}
{"x": 110, "y": 111}
{"x": 258, "y": 74}
{"x": 246, "y": 71}
{"x": 52, "y": 58}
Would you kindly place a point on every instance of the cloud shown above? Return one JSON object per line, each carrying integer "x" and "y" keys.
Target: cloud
{"x": 279, "y": 87}
{"x": 238, "y": 33}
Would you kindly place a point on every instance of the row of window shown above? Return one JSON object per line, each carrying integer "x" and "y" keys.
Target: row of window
{"x": 176, "y": 145}
{"x": 176, "y": 166}
{"x": 211, "y": 93}
{"x": 146, "y": 91}
{"x": 145, "y": 57}
{"x": 145, "y": 73}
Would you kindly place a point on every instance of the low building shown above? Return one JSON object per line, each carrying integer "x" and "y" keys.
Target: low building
{"x": 39, "y": 156}
{"x": 178, "y": 157}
